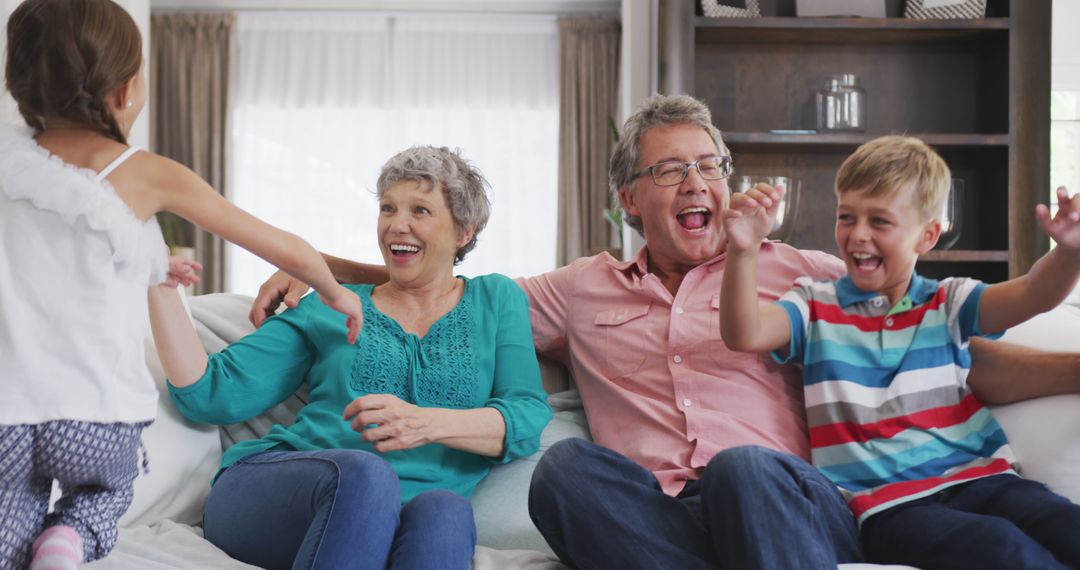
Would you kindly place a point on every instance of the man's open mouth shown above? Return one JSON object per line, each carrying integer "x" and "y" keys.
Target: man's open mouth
{"x": 694, "y": 217}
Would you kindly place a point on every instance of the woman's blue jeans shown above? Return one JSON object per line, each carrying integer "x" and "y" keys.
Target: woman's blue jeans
{"x": 752, "y": 508}
{"x": 334, "y": 509}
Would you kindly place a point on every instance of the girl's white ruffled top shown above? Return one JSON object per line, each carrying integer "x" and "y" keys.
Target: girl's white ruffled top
{"x": 75, "y": 264}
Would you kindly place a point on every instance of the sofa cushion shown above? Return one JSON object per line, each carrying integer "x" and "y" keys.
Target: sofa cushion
{"x": 501, "y": 500}
{"x": 183, "y": 457}
{"x": 1045, "y": 432}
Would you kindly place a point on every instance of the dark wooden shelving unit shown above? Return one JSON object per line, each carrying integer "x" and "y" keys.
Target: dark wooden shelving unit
{"x": 781, "y": 142}
{"x": 976, "y": 90}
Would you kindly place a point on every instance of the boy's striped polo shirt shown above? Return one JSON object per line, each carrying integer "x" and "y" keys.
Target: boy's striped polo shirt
{"x": 891, "y": 416}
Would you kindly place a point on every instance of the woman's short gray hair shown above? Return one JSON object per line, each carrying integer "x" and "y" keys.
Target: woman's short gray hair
{"x": 657, "y": 110}
{"x": 464, "y": 187}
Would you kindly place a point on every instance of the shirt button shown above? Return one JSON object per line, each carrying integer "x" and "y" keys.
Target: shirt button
{"x": 678, "y": 310}
{"x": 677, "y": 359}
{"x": 686, "y": 402}
{"x": 877, "y": 302}
{"x": 888, "y": 322}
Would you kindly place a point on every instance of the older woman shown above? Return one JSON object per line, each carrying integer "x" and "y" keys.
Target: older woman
{"x": 400, "y": 427}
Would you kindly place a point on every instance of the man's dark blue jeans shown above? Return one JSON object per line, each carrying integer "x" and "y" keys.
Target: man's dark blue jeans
{"x": 752, "y": 508}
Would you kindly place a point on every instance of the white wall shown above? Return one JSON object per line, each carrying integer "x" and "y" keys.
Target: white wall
{"x": 9, "y": 113}
{"x": 140, "y": 11}
{"x": 637, "y": 76}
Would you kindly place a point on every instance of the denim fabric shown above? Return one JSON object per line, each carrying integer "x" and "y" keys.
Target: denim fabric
{"x": 333, "y": 509}
{"x": 753, "y": 508}
{"x": 437, "y": 531}
{"x": 997, "y": 522}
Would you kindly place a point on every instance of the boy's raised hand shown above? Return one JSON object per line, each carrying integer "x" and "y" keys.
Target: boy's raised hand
{"x": 749, "y": 216}
{"x": 347, "y": 303}
{"x": 1064, "y": 227}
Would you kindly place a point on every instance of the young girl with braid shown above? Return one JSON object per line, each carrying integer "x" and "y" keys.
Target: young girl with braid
{"x": 79, "y": 247}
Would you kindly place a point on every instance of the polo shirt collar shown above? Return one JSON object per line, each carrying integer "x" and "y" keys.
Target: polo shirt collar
{"x": 919, "y": 291}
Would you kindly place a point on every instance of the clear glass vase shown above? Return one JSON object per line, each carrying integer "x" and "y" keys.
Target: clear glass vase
{"x": 841, "y": 104}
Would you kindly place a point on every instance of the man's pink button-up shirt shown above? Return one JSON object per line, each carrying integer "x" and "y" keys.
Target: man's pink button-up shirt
{"x": 657, "y": 381}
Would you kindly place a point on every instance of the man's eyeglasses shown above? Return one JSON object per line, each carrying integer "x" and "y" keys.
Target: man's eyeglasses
{"x": 673, "y": 172}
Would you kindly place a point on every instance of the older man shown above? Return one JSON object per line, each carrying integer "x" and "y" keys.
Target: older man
{"x": 699, "y": 453}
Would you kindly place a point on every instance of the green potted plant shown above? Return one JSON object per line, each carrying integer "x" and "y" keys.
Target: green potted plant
{"x": 177, "y": 234}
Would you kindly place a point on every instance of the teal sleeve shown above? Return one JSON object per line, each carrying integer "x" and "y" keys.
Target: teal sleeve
{"x": 517, "y": 391}
{"x": 252, "y": 374}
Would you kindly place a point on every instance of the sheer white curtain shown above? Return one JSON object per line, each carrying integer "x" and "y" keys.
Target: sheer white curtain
{"x": 323, "y": 99}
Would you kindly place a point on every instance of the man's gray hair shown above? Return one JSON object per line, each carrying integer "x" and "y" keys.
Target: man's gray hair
{"x": 443, "y": 169}
{"x": 658, "y": 110}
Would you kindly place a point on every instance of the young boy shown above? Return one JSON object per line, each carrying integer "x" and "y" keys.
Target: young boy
{"x": 924, "y": 466}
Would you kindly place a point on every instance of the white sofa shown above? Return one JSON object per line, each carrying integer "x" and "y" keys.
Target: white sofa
{"x": 161, "y": 529}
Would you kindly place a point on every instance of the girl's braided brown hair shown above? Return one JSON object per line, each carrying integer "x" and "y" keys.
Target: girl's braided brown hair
{"x": 65, "y": 56}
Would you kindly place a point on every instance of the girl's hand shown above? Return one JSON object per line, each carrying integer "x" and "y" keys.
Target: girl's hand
{"x": 749, "y": 216}
{"x": 1064, "y": 227}
{"x": 390, "y": 423}
{"x": 347, "y": 303}
{"x": 182, "y": 271}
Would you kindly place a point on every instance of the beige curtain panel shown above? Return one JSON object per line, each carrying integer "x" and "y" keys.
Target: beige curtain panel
{"x": 191, "y": 56}
{"x": 588, "y": 98}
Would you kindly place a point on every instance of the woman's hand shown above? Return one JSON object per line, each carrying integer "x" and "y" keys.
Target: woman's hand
{"x": 182, "y": 271}
{"x": 390, "y": 423}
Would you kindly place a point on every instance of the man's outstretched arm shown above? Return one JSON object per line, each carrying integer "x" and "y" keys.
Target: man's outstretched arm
{"x": 1003, "y": 373}
{"x": 282, "y": 288}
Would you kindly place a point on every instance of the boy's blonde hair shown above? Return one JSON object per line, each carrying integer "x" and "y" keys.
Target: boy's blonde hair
{"x": 892, "y": 164}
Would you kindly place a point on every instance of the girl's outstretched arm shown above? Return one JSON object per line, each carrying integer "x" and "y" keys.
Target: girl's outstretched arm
{"x": 182, "y": 192}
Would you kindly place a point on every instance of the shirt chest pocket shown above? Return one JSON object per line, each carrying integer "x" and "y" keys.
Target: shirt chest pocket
{"x": 624, "y": 332}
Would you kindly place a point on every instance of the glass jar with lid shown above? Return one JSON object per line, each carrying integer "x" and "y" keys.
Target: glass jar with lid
{"x": 841, "y": 104}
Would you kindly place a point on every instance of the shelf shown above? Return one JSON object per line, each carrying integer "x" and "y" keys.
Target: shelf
{"x": 766, "y": 142}
{"x": 843, "y": 30}
{"x": 960, "y": 255}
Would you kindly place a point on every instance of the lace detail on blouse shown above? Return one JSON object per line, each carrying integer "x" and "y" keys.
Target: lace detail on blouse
{"x": 438, "y": 369}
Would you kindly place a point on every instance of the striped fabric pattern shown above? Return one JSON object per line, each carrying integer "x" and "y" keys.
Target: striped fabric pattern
{"x": 959, "y": 9}
{"x": 890, "y": 414}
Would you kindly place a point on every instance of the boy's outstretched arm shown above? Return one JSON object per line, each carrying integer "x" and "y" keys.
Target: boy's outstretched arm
{"x": 1050, "y": 280}
{"x": 747, "y": 325}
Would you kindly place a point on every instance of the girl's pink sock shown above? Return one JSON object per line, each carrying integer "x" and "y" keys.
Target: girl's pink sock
{"x": 58, "y": 548}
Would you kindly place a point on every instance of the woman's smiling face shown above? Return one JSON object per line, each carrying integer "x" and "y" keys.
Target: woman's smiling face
{"x": 417, "y": 234}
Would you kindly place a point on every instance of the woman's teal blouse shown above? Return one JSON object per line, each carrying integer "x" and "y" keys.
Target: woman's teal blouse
{"x": 480, "y": 354}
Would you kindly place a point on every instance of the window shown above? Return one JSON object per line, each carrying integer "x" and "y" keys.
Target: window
{"x": 1064, "y": 143}
{"x": 322, "y": 100}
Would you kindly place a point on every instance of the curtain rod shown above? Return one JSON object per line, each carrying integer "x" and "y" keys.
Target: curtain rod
{"x": 605, "y": 7}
